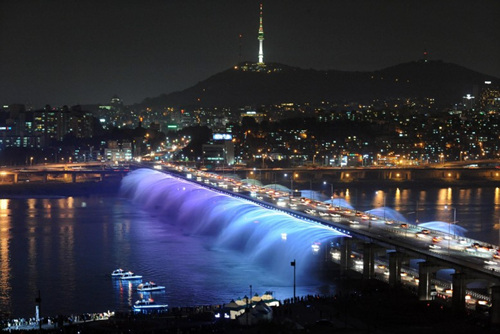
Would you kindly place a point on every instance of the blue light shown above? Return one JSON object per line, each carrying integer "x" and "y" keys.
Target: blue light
{"x": 233, "y": 223}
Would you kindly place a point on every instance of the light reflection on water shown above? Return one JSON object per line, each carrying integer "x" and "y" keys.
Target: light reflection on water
{"x": 67, "y": 248}
{"x": 475, "y": 209}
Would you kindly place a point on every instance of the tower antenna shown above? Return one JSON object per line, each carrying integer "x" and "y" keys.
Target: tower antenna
{"x": 261, "y": 39}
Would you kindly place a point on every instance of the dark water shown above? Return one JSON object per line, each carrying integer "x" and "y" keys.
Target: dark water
{"x": 66, "y": 248}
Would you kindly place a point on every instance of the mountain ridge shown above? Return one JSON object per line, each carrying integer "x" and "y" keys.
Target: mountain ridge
{"x": 275, "y": 83}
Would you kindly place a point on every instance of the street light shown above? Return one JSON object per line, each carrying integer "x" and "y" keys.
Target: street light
{"x": 293, "y": 264}
{"x": 311, "y": 187}
{"x": 454, "y": 219}
{"x": 383, "y": 204}
{"x": 331, "y": 191}
{"x": 275, "y": 181}
{"x": 449, "y": 226}
{"x": 291, "y": 185}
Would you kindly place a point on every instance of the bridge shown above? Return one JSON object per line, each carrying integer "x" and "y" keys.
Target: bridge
{"x": 370, "y": 239}
{"x": 485, "y": 171}
{"x": 67, "y": 173}
{"x": 477, "y": 171}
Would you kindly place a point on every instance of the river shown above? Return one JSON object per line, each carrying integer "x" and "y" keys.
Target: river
{"x": 65, "y": 248}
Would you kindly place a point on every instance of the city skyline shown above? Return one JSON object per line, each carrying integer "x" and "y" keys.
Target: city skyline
{"x": 83, "y": 53}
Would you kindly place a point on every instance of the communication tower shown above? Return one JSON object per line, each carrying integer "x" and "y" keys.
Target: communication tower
{"x": 261, "y": 39}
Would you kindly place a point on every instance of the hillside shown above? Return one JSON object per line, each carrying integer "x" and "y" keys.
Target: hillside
{"x": 445, "y": 82}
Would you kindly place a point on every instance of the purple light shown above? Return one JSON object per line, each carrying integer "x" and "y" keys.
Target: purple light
{"x": 233, "y": 223}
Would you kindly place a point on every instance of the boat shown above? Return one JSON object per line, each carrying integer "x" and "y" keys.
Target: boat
{"x": 149, "y": 286}
{"x": 118, "y": 272}
{"x": 129, "y": 276}
{"x": 148, "y": 306}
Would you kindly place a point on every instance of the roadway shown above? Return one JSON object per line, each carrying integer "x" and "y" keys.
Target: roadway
{"x": 455, "y": 251}
{"x": 477, "y": 259}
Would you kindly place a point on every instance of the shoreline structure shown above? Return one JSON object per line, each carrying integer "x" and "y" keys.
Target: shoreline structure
{"x": 358, "y": 306}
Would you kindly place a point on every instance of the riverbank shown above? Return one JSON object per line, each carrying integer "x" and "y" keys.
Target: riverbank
{"x": 359, "y": 306}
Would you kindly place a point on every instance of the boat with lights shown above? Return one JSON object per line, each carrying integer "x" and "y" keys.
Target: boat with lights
{"x": 118, "y": 272}
{"x": 149, "y": 286}
{"x": 148, "y": 306}
{"x": 130, "y": 276}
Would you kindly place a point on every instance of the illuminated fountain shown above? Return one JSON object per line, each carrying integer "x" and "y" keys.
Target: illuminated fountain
{"x": 387, "y": 213}
{"x": 265, "y": 237}
{"x": 314, "y": 195}
{"x": 445, "y": 227}
{"x": 277, "y": 187}
{"x": 340, "y": 202}
{"x": 253, "y": 182}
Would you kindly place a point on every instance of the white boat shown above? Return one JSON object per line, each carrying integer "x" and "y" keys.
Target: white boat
{"x": 118, "y": 272}
{"x": 148, "y": 305}
{"x": 149, "y": 286}
{"x": 129, "y": 276}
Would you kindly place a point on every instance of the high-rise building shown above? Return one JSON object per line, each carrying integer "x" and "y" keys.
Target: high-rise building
{"x": 261, "y": 39}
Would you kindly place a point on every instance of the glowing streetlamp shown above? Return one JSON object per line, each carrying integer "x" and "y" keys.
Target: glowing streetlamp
{"x": 383, "y": 203}
{"x": 331, "y": 191}
{"x": 293, "y": 264}
{"x": 291, "y": 184}
{"x": 449, "y": 225}
{"x": 454, "y": 219}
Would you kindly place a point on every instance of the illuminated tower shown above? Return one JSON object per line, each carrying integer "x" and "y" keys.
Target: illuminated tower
{"x": 261, "y": 39}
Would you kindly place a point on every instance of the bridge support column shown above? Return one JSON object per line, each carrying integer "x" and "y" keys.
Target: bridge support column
{"x": 345, "y": 255}
{"x": 368, "y": 261}
{"x": 73, "y": 177}
{"x": 395, "y": 268}
{"x": 495, "y": 306}
{"x": 45, "y": 177}
{"x": 458, "y": 297}
{"x": 16, "y": 178}
{"x": 426, "y": 271}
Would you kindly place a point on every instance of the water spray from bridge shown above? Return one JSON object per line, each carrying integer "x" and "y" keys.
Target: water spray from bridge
{"x": 269, "y": 238}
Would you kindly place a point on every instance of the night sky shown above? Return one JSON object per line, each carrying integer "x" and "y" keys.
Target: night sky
{"x": 80, "y": 52}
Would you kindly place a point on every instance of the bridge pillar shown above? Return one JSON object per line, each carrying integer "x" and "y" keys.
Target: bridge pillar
{"x": 45, "y": 177}
{"x": 16, "y": 178}
{"x": 368, "y": 261}
{"x": 395, "y": 268}
{"x": 73, "y": 177}
{"x": 426, "y": 271}
{"x": 495, "y": 306}
{"x": 458, "y": 297}
{"x": 345, "y": 255}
